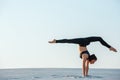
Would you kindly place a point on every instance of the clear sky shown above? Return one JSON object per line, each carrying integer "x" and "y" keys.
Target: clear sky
{"x": 26, "y": 26}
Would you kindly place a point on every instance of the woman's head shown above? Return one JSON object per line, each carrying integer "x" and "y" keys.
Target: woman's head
{"x": 92, "y": 59}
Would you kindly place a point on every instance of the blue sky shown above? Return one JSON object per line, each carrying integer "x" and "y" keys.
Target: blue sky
{"x": 26, "y": 26}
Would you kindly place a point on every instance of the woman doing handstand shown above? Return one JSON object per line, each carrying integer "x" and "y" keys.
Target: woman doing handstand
{"x": 84, "y": 54}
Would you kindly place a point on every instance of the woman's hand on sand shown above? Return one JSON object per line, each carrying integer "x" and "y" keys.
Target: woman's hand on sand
{"x": 53, "y": 41}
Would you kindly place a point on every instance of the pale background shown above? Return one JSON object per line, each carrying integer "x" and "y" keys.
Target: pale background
{"x": 26, "y": 26}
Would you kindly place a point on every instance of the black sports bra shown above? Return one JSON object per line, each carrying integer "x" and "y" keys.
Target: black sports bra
{"x": 84, "y": 52}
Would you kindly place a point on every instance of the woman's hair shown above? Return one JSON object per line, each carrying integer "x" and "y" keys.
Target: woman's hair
{"x": 92, "y": 57}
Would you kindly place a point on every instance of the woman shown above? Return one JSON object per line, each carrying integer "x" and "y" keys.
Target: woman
{"x": 84, "y": 54}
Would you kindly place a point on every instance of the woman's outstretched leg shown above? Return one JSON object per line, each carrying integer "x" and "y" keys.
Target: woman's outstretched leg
{"x": 61, "y": 41}
{"x": 93, "y": 39}
{"x": 74, "y": 41}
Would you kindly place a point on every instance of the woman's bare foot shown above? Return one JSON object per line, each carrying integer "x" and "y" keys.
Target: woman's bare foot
{"x": 113, "y": 49}
{"x": 53, "y": 41}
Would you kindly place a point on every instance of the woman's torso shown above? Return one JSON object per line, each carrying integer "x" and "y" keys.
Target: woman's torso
{"x": 82, "y": 49}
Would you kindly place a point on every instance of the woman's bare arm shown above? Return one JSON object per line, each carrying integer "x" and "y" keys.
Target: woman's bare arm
{"x": 87, "y": 67}
{"x": 84, "y": 59}
{"x": 83, "y": 67}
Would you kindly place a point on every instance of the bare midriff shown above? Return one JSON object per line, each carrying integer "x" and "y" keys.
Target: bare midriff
{"x": 82, "y": 48}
